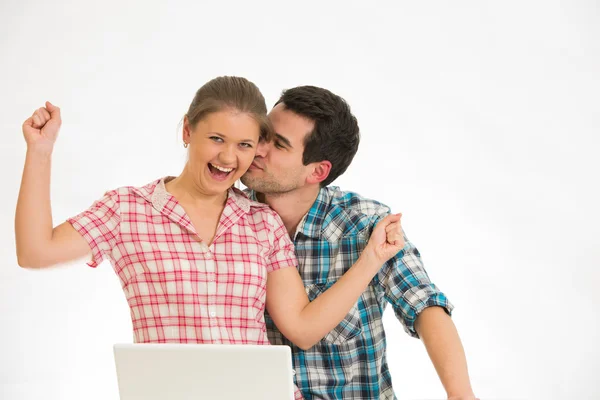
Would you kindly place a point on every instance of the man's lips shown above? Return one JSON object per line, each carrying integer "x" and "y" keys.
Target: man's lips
{"x": 254, "y": 165}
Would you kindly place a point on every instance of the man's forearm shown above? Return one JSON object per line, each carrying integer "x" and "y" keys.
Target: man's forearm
{"x": 438, "y": 333}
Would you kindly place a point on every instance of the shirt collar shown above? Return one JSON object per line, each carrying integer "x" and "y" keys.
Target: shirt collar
{"x": 314, "y": 221}
{"x": 165, "y": 203}
{"x": 156, "y": 193}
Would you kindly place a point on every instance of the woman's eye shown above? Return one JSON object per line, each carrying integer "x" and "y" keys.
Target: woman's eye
{"x": 246, "y": 145}
{"x": 216, "y": 139}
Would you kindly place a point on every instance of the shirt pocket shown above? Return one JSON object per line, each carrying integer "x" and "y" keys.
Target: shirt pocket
{"x": 351, "y": 326}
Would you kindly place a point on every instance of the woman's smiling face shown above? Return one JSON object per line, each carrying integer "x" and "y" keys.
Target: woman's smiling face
{"x": 222, "y": 146}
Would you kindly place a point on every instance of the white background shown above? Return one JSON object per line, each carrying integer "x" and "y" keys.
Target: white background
{"x": 479, "y": 120}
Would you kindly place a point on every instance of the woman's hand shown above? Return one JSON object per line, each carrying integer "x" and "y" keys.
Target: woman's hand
{"x": 41, "y": 129}
{"x": 387, "y": 238}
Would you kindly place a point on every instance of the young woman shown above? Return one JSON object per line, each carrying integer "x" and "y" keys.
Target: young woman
{"x": 197, "y": 260}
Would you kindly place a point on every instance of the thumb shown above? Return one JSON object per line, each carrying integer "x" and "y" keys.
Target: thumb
{"x": 383, "y": 224}
{"x": 390, "y": 219}
{"x": 53, "y": 110}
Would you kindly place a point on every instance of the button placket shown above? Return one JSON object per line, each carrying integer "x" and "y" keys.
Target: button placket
{"x": 212, "y": 295}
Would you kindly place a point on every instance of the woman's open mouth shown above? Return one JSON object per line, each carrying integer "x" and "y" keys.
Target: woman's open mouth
{"x": 219, "y": 173}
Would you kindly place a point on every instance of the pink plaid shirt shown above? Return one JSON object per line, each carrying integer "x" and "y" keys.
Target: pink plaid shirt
{"x": 179, "y": 289}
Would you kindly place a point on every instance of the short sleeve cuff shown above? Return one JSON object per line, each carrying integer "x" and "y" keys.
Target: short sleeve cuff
{"x": 297, "y": 394}
{"x": 283, "y": 259}
{"x": 79, "y": 223}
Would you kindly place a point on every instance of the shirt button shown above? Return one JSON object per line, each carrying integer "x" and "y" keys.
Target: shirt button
{"x": 213, "y": 314}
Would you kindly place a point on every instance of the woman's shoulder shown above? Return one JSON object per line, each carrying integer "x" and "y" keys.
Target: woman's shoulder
{"x": 256, "y": 211}
{"x": 129, "y": 193}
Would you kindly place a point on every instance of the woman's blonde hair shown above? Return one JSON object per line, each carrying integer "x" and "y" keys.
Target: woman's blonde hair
{"x": 231, "y": 92}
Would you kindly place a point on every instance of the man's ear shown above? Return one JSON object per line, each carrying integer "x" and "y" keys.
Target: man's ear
{"x": 320, "y": 172}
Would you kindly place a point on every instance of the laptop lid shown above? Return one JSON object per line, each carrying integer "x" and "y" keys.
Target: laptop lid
{"x": 203, "y": 371}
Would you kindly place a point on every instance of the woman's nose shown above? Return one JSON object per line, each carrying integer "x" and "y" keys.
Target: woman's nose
{"x": 227, "y": 155}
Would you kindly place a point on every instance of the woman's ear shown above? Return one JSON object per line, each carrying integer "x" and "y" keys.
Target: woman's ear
{"x": 187, "y": 131}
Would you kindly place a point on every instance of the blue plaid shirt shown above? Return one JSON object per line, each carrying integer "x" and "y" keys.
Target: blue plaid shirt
{"x": 350, "y": 362}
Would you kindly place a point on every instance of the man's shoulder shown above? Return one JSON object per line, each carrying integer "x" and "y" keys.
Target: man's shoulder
{"x": 353, "y": 203}
{"x": 348, "y": 213}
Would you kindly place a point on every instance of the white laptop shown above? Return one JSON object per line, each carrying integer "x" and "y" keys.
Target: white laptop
{"x": 204, "y": 371}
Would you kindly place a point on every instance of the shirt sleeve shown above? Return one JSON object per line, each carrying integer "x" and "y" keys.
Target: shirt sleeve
{"x": 99, "y": 226}
{"x": 297, "y": 393}
{"x": 282, "y": 254}
{"x": 407, "y": 287}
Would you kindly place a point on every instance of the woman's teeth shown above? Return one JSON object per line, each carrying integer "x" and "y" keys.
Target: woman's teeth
{"x": 222, "y": 169}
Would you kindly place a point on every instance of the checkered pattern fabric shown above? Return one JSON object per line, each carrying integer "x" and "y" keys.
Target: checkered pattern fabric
{"x": 179, "y": 289}
{"x": 350, "y": 362}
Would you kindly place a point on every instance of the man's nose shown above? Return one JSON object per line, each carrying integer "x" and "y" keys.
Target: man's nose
{"x": 262, "y": 149}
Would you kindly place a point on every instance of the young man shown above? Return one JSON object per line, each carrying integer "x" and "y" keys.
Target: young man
{"x": 316, "y": 139}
